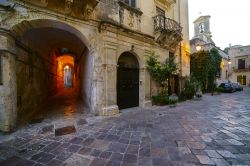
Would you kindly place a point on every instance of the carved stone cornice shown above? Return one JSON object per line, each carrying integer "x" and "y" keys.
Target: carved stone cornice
{"x": 77, "y": 8}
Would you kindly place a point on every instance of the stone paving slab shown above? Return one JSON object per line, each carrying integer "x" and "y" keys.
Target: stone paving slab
{"x": 211, "y": 131}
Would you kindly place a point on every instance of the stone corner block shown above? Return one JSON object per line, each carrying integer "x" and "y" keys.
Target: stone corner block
{"x": 109, "y": 111}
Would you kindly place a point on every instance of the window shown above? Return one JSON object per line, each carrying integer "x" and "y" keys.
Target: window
{"x": 171, "y": 57}
{"x": 131, "y": 3}
{"x": 242, "y": 79}
{"x": 161, "y": 17}
{"x": 160, "y": 12}
{"x": 218, "y": 73}
{"x": 239, "y": 79}
{"x": 202, "y": 27}
{"x": 1, "y": 70}
{"x": 241, "y": 64}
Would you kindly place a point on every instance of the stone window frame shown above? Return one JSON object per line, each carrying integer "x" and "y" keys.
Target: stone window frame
{"x": 1, "y": 70}
{"x": 131, "y": 3}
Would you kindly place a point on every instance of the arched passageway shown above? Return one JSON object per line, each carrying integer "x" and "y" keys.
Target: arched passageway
{"x": 53, "y": 69}
{"x": 127, "y": 81}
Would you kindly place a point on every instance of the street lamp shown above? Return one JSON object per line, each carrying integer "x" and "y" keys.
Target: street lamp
{"x": 229, "y": 63}
{"x": 198, "y": 47}
{"x": 229, "y": 60}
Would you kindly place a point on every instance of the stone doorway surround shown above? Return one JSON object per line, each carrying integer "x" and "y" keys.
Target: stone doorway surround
{"x": 128, "y": 81}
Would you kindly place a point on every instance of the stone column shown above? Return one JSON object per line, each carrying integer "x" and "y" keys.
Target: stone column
{"x": 147, "y": 101}
{"x": 8, "y": 93}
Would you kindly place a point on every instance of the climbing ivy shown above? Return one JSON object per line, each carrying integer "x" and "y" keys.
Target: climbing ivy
{"x": 204, "y": 67}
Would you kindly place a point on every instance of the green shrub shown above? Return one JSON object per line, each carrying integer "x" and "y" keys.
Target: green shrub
{"x": 189, "y": 91}
{"x": 161, "y": 99}
{"x": 219, "y": 89}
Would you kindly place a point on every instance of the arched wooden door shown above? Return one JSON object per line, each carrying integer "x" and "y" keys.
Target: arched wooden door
{"x": 127, "y": 81}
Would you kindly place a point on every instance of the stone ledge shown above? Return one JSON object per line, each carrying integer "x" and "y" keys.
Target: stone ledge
{"x": 109, "y": 111}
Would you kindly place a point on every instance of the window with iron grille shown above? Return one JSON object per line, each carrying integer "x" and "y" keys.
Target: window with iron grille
{"x": 131, "y": 3}
{"x": 1, "y": 71}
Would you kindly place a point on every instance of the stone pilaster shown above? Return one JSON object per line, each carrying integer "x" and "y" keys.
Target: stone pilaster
{"x": 8, "y": 105}
{"x": 109, "y": 107}
{"x": 144, "y": 88}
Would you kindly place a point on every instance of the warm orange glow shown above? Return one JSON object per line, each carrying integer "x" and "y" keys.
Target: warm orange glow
{"x": 198, "y": 47}
{"x": 65, "y": 61}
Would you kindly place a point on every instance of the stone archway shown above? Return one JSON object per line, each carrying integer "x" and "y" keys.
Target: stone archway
{"x": 42, "y": 44}
{"x": 127, "y": 81}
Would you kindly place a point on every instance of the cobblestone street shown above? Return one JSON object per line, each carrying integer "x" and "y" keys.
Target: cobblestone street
{"x": 211, "y": 131}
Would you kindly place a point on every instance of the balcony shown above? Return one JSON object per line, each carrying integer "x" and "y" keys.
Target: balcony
{"x": 237, "y": 70}
{"x": 167, "y": 31}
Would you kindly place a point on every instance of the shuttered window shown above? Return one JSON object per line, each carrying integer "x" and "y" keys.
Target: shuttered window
{"x": 242, "y": 79}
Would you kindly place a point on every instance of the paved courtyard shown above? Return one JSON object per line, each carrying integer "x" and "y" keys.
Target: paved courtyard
{"x": 211, "y": 131}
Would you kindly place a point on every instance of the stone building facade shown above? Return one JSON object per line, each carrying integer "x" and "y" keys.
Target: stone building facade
{"x": 202, "y": 40}
{"x": 240, "y": 66}
{"x": 105, "y": 44}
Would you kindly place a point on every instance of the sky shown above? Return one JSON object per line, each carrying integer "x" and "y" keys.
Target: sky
{"x": 229, "y": 22}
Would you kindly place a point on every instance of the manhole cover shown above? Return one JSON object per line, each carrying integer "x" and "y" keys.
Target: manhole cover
{"x": 36, "y": 120}
{"x": 65, "y": 130}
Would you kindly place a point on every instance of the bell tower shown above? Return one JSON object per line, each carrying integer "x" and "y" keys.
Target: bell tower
{"x": 202, "y": 29}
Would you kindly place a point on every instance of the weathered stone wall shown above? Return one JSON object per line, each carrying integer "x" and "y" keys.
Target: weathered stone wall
{"x": 85, "y": 79}
{"x": 8, "y": 88}
{"x": 36, "y": 81}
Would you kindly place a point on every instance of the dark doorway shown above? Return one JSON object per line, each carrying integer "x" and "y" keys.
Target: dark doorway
{"x": 176, "y": 84}
{"x": 127, "y": 81}
{"x": 173, "y": 85}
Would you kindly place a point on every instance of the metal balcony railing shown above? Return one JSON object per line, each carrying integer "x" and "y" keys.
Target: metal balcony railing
{"x": 163, "y": 23}
{"x": 245, "y": 69}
